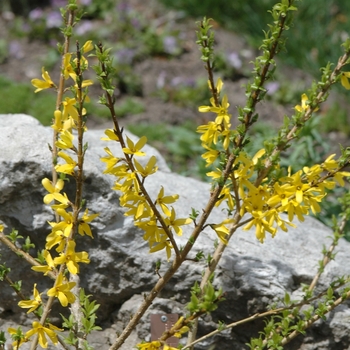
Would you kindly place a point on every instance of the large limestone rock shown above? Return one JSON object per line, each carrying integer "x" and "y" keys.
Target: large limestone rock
{"x": 121, "y": 270}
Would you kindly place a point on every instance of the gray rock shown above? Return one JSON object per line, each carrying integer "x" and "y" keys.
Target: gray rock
{"x": 252, "y": 274}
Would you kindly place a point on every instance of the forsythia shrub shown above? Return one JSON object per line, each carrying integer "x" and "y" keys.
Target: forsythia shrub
{"x": 255, "y": 190}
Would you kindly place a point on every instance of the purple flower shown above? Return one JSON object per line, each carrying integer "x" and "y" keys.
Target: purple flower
{"x": 234, "y": 60}
{"x": 85, "y": 2}
{"x": 16, "y": 50}
{"x": 177, "y": 81}
{"x": 36, "y": 14}
{"x": 125, "y": 56}
{"x": 170, "y": 45}
{"x": 53, "y": 19}
{"x": 58, "y": 3}
{"x": 161, "y": 80}
{"x": 272, "y": 87}
{"x": 84, "y": 27}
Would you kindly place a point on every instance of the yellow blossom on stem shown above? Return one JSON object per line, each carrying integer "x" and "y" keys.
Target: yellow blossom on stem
{"x": 88, "y": 46}
{"x": 66, "y": 225}
{"x": 225, "y": 195}
{"x": 66, "y": 140}
{"x": 55, "y": 237}
{"x": 298, "y": 186}
{"x": 344, "y": 79}
{"x": 57, "y": 125}
{"x": 167, "y": 347}
{"x": 69, "y": 108}
{"x": 31, "y": 304}
{"x": 153, "y": 232}
{"x": 163, "y": 200}
{"x": 174, "y": 223}
{"x": 84, "y": 228}
{"x": 45, "y": 268}
{"x": 84, "y": 84}
{"x": 222, "y": 111}
{"x": 154, "y": 345}
{"x": 139, "y": 208}
{"x": 135, "y": 149}
{"x": 182, "y": 330}
{"x": 304, "y": 106}
{"x": 163, "y": 244}
{"x": 330, "y": 163}
{"x": 211, "y": 133}
{"x": 261, "y": 225}
{"x": 54, "y": 191}
{"x": 71, "y": 258}
{"x": 18, "y": 337}
{"x": 111, "y": 135}
{"x": 42, "y": 332}
{"x": 149, "y": 169}
{"x": 67, "y": 168}
{"x": 110, "y": 160}
{"x": 210, "y": 156}
{"x": 62, "y": 291}
{"x": 338, "y": 177}
{"x": 221, "y": 230}
{"x": 47, "y": 83}
{"x": 68, "y": 70}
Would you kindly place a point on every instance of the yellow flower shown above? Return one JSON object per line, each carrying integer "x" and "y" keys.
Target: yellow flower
{"x": 304, "y": 104}
{"x": 111, "y": 135}
{"x": 164, "y": 243}
{"x": 47, "y": 83}
{"x": 31, "y": 304}
{"x": 42, "y": 332}
{"x": 221, "y": 230}
{"x": 66, "y": 140}
{"x": 330, "y": 163}
{"x": 171, "y": 221}
{"x": 62, "y": 291}
{"x": 210, "y": 156}
{"x": 211, "y": 133}
{"x": 261, "y": 225}
{"x": 154, "y": 345}
{"x": 88, "y": 46}
{"x": 135, "y": 149}
{"x": 139, "y": 207}
{"x": 69, "y": 108}
{"x": 66, "y": 225}
{"x": 54, "y": 192}
{"x": 45, "y": 268}
{"x": 163, "y": 200}
{"x": 299, "y": 187}
{"x": 149, "y": 169}
{"x": 226, "y": 195}
{"x": 55, "y": 237}
{"x": 181, "y": 331}
{"x": 167, "y": 347}
{"x": 67, "y": 168}
{"x": 18, "y": 337}
{"x": 71, "y": 258}
{"x": 68, "y": 70}
{"x": 84, "y": 228}
{"x": 344, "y": 79}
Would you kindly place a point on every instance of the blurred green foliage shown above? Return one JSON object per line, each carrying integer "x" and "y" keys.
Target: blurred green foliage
{"x": 306, "y": 45}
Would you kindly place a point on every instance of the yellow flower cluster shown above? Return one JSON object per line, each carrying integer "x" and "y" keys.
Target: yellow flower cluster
{"x": 262, "y": 205}
{"x": 155, "y": 217}
{"x": 66, "y": 119}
